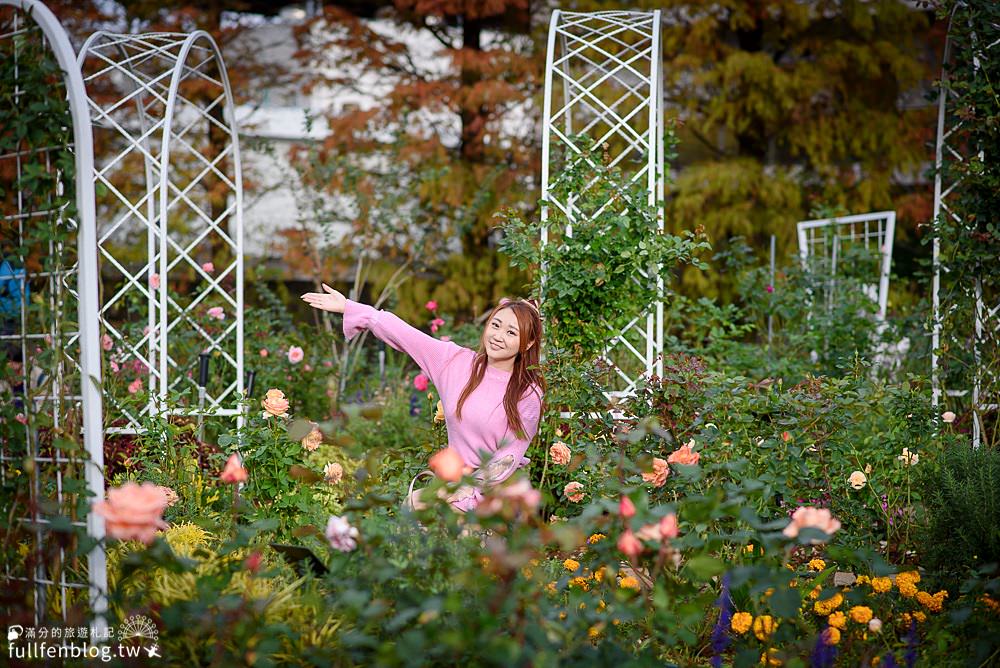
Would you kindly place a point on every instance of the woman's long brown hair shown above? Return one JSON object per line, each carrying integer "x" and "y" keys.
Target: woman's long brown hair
{"x": 525, "y": 374}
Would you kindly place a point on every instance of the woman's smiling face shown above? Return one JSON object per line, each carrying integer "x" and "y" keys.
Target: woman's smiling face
{"x": 502, "y": 337}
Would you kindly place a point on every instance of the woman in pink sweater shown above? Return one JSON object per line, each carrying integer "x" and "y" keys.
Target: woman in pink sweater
{"x": 492, "y": 397}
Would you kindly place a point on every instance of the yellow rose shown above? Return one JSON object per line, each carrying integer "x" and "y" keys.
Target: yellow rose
{"x": 741, "y": 622}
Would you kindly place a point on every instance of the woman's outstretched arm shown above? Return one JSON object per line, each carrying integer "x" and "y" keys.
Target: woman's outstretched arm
{"x": 430, "y": 354}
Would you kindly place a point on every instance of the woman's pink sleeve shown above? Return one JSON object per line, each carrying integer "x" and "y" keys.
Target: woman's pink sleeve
{"x": 430, "y": 354}
{"x": 510, "y": 456}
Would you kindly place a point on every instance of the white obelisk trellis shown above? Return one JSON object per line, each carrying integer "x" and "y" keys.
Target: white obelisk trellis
{"x": 603, "y": 80}
{"x": 61, "y": 390}
{"x": 171, "y": 212}
{"x": 823, "y": 244}
{"x": 964, "y": 359}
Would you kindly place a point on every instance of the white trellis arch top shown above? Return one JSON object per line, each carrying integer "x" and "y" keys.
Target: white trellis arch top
{"x": 826, "y": 241}
{"x": 603, "y": 80}
{"x": 171, "y": 212}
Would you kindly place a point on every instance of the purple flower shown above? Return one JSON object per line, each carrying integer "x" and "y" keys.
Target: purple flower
{"x": 824, "y": 654}
{"x": 769, "y": 289}
{"x": 912, "y": 639}
{"x": 720, "y": 634}
{"x": 889, "y": 661}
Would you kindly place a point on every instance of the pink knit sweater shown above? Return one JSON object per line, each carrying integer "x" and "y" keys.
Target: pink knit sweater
{"x": 482, "y": 435}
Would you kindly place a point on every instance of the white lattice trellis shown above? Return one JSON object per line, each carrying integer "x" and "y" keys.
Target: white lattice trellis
{"x": 824, "y": 243}
{"x": 57, "y": 379}
{"x": 974, "y": 378}
{"x": 171, "y": 191}
{"x": 603, "y": 80}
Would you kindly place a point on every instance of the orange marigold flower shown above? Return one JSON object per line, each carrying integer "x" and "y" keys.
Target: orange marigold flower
{"x": 861, "y": 614}
{"x": 881, "y": 585}
{"x": 763, "y": 627}
{"x": 741, "y": 622}
{"x": 837, "y": 619}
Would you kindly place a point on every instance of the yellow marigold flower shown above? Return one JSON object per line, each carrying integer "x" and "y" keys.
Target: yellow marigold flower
{"x": 616, "y": 621}
{"x": 571, "y": 565}
{"x": 562, "y": 615}
{"x": 601, "y": 605}
{"x": 814, "y": 594}
{"x": 920, "y": 616}
{"x": 861, "y": 614}
{"x": 817, "y": 565}
{"x": 990, "y": 603}
{"x": 594, "y": 538}
{"x": 527, "y": 573}
{"x": 583, "y": 605}
{"x": 593, "y": 633}
{"x": 837, "y": 619}
{"x": 910, "y": 576}
{"x": 580, "y": 583}
{"x": 825, "y": 607}
{"x": 629, "y": 582}
{"x": 881, "y": 585}
{"x": 906, "y": 588}
{"x": 599, "y": 574}
{"x": 862, "y": 579}
{"x": 793, "y": 583}
{"x": 551, "y": 587}
{"x": 770, "y": 657}
{"x": 741, "y": 622}
{"x": 763, "y": 627}
{"x": 831, "y": 635}
{"x": 906, "y": 618}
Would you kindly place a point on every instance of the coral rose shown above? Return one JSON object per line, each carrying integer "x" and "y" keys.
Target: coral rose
{"x": 685, "y": 455}
{"x": 133, "y": 512}
{"x": 626, "y": 508}
{"x": 275, "y": 403}
{"x": 947, "y": 416}
{"x": 447, "y": 464}
{"x": 858, "y": 480}
{"x": 295, "y": 354}
{"x": 233, "y": 472}
{"x": 665, "y": 529}
{"x": 658, "y": 476}
{"x": 560, "y": 453}
{"x": 313, "y": 439}
{"x": 813, "y": 518}
{"x": 574, "y": 491}
{"x": 629, "y": 545}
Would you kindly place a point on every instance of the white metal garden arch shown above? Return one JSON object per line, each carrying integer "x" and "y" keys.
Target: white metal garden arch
{"x": 169, "y": 168}
{"x": 59, "y": 394}
{"x": 824, "y": 242}
{"x": 979, "y": 382}
{"x": 609, "y": 65}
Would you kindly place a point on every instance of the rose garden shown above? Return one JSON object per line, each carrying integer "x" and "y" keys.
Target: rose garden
{"x": 786, "y": 468}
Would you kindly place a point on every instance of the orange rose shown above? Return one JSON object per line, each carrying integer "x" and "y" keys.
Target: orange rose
{"x": 275, "y": 403}
{"x": 447, "y": 464}
{"x": 560, "y": 453}
{"x": 658, "y": 476}
{"x": 685, "y": 455}
{"x": 574, "y": 491}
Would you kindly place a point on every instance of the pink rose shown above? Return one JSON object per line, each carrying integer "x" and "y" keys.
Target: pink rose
{"x": 626, "y": 508}
{"x": 135, "y": 386}
{"x": 263, "y": 352}
{"x": 436, "y": 323}
{"x": 813, "y": 518}
{"x": 208, "y": 267}
{"x": 133, "y": 512}
{"x": 560, "y": 453}
{"x": 663, "y": 530}
{"x": 327, "y": 363}
{"x": 233, "y": 471}
{"x": 574, "y": 491}
{"x": 217, "y": 313}
{"x": 431, "y": 305}
{"x": 114, "y": 366}
{"x": 107, "y": 343}
{"x": 275, "y": 403}
{"x": 517, "y": 496}
{"x": 948, "y": 416}
{"x": 340, "y": 534}
{"x": 252, "y": 562}
{"x": 295, "y": 354}
{"x": 170, "y": 495}
{"x": 769, "y": 289}
{"x": 684, "y": 455}
{"x": 333, "y": 473}
{"x": 313, "y": 440}
{"x": 154, "y": 281}
{"x": 629, "y": 545}
{"x": 420, "y": 381}
{"x": 658, "y": 476}
{"x": 447, "y": 464}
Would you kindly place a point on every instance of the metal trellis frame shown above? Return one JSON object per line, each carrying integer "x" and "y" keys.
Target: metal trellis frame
{"x": 71, "y": 396}
{"x": 973, "y": 379}
{"x": 172, "y": 181}
{"x": 609, "y": 65}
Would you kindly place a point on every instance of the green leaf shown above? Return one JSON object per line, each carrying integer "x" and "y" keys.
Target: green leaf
{"x": 299, "y": 429}
{"x": 704, "y": 567}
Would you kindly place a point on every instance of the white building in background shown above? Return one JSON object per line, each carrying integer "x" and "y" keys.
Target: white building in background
{"x": 279, "y": 118}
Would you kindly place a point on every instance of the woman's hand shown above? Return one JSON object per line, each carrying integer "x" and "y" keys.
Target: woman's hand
{"x": 331, "y": 300}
